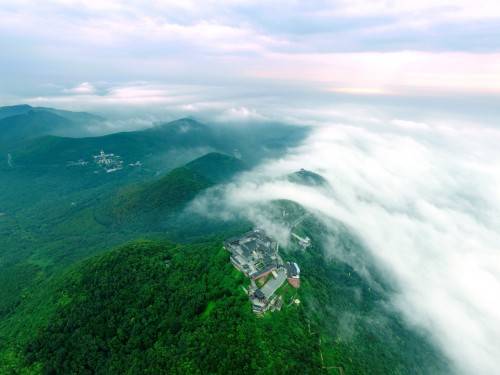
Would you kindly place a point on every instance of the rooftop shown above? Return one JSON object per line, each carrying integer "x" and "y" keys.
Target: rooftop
{"x": 274, "y": 283}
{"x": 256, "y": 255}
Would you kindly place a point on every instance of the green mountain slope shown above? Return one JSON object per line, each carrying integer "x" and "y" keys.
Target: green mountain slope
{"x": 81, "y": 118}
{"x": 164, "y": 309}
{"x": 14, "y": 110}
{"x": 155, "y": 146}
{"x": 147, "y": 146}
{"x": 30, "y": 125}
{"x": 61, "y": 166}
{"x": 50, "y": 234}
{"x": 216, "y": 167}
{"x": 22, "y": 122}
{"x": 22, "y": 109}
{"x": 150, "y": 204}
{"x": 154, "y": 307}
{"x": 158, "y": 198}
{"x": 69, "y": 305}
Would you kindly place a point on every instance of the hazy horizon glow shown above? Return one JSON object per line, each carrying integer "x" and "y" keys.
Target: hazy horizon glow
{"x": 79, "y": 48}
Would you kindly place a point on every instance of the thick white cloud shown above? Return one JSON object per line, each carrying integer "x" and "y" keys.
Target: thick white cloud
{"x": 424, "y": 198}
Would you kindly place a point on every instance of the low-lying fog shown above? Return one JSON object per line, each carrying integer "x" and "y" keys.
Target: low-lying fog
{"x": 418, "y": 180}
{"x": 425, "y": 200}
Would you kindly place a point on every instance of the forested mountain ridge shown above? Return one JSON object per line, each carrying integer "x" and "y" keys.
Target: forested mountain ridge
{"x": 131, "y": 145}
{"x": 31, "y": 125}
{"x": 217, "y": 167}
{"x": 74, "y": 299}
{"x": 23, "y": 122}
{"x": 14, "y": 110}
{"x": 156, "y": 307}
{"x": 42, "y": 239}
{"x": 154, "y": 145}
{"x": 150, "y": 308}
{"x": 20, "y": 109}
{"x": 146, "y": 203}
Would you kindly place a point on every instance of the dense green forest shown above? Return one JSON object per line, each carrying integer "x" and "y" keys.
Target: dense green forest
{"x": 112, "y": 273}
{"x": 152, "y": 203}
{"x": 156, "y": 307}
{"x": 159, "y": 308}
{"x": 41, "y": 239}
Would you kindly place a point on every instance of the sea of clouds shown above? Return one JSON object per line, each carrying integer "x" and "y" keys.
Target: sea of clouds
{"x": 425, "y": 200}
{"x": 416, "y": 178}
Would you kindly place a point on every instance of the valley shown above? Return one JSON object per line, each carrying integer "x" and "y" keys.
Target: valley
{"x": 115, "y": 272}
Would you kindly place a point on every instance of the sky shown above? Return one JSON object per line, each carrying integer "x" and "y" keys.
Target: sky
{"x": 191, "y": 55}
{"x": 401, "y": 96}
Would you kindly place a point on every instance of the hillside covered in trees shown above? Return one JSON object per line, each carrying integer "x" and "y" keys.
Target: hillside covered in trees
{"x": 75, "y": 300}
{"x": 157, "y": 308}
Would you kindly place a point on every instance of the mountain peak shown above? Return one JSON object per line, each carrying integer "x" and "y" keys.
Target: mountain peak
{"x": 216, "y": 167}
{"x": 306, "y": 177}
{"x": 14, "y": 110}
{"x": 185, "y": 122}
{"x": 17, "y": 106}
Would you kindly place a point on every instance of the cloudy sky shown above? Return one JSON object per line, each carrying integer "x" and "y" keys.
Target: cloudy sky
{"x": 193, "y": 56}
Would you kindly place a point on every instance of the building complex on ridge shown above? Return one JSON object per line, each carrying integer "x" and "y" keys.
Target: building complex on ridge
{"x": 257, "y": 256}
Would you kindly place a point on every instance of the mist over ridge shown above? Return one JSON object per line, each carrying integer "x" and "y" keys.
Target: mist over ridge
{"x": 421, "y": 195}
{"x": 423, "y": 199}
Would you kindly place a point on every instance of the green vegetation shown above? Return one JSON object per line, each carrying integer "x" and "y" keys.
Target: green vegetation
{"x": 47, "y": 237}
{"x": 14, "y": 110}
{"x": 216, "y": 167}
{"x": 172, "y": 302}
{"x": 359, "y": 330}
{"x": 23, "y": 122}
{"x": 147, "y": 203}
{"x": 164, "y": 309}
{"x": 305, "y": 177}
{"x": 152, "y": 204}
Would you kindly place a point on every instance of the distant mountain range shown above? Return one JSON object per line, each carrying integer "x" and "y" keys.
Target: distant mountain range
{"x": 40, "y": 138}
{"x": 144, "y": 145}
{"x": 22, "y": 122}
{"x": 22, "y": 109}
{"x": 170, "y": 301}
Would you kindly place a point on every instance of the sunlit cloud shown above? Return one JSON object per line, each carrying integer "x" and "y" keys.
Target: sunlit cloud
{"x": 396, "y": 72}
{"x": 82, "y": 88}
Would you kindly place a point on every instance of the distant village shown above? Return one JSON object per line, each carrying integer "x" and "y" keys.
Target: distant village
{"x": 108, "y": 162}
{"x": 254, "y": 253}
{"x": 257, "y": 256}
